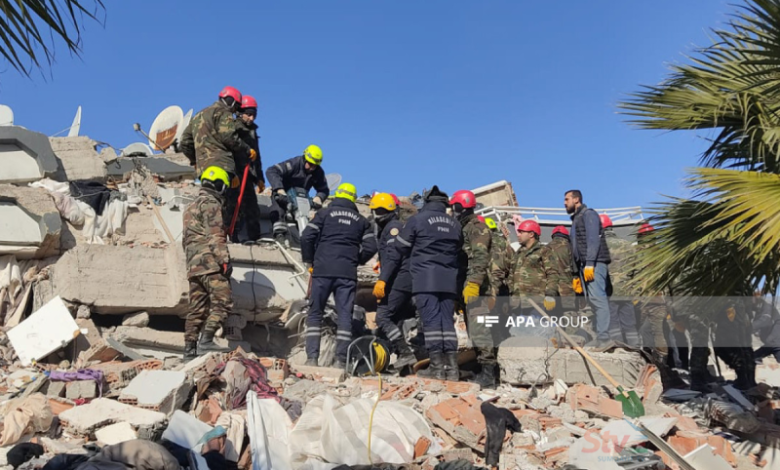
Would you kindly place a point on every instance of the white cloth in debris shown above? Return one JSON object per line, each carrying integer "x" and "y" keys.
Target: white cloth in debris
{"x": 268, "y": 427}
{"x": 11, "y": 282}
{"x": 234, "y": 424}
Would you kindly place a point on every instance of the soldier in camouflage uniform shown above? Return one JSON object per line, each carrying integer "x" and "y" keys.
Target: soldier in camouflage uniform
{"x": 501, "y": 255}
{"x": 532, "y": 278}
{"x": 208, "y": 264}
{"x": 474, "y": 262}
{"x": 622, "y": 321}
{"x": 211, "y": 139}
{"x": 733, "y": 339}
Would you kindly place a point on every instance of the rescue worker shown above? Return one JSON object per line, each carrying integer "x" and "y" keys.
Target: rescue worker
{"x": 335, "y": 242}
{"x": 475, "y": 261}
{"x": 304, "y": 172}
{"x": 622, "y": 320}
{"x": 531, "y": 276}
{"x": 211, "y": 137}
{"x": 500, "y": 259}
{"x": 733, "y": 339}
{"x": 249, "y": 212}
{"x": 590, "y": 263}
{"x": 559, "y": 262}
{"x": 432, "y": 240}
{"x": 208, "y": 264}
{"x": 393, "y": 290}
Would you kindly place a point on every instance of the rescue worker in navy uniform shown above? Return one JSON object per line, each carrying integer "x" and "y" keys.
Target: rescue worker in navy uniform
{"x": 432, "y": 240}
{"x": 393, "y": 290}
{"x": 334, "y": 243}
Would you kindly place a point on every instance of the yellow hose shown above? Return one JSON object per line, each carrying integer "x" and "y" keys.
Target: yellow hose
{"x": 381, "y": 361}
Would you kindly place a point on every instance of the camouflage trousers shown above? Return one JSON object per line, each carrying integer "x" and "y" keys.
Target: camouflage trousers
{"x": 484, "y": 339}
{"x": 733, "y": 342}
{"x": 654, "y": 328}
{"x": 211, "y": 301}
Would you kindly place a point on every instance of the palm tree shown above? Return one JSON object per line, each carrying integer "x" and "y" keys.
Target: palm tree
{"x": 725, "y": 240}
{"x": 28, "y": 29}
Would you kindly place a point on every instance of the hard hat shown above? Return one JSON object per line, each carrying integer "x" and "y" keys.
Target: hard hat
{"x": 465, "y": 198}
{"x": 382, "y": 201}
{"x": 606, "y": 222}
{"x": 560, "y": 229}
{"x": 530, "y": 226}
{"x": 248, "y": 102}
{"x": 492, "y": 225}
{"x": 480, "y": 218}
{"x": 231, "y": 92}
{"x": 395, "y": 199}
{"x": 214, "y": 175}
{"x": 313, "y": 155}
{"x": 645, "y": 228}
{"x": 347, "y": 191}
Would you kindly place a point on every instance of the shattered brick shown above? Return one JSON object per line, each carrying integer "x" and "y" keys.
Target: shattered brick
{"x": 685, "y": 442}
{"x": 461, "y": 420}
{"x": 594, "y": 401}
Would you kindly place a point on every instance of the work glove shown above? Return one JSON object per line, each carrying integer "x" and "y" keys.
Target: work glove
{"x": 227, "y": 269}
{"x": 470, "y": 292}
{"x": 491, "y": 302}
{"x": 576, "y": 284}
{"x": 731, "y": 314}
{"x": 379, "y": 290}
{"x": 252, "y": 154}
{"x": 281, "y": 199}
{"x": 588, "y": 274}
{"x": 316, "y": 203}
{"x": 260, "y": 187}
{"x": 377, "y": 267}
{"x": 235, "y": 182}
{"x": 549, "y": 303}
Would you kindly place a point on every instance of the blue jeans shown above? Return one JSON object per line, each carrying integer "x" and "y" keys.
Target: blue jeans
{"x": 596, "y": 291}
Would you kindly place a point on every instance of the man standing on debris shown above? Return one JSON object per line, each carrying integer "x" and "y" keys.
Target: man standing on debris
{"x": 532, "y": 276}
{"x": 211, "y": 138}
{"x": 208, "y": 264}
{"x": 335, "y": 242}
{"x": 393, "y": 290}
{"x": 500, "y": 259}
{"x": 432, "y": 240}
{"x": 622, "y": 321}
{"x": 298, "y": 173}
{"x": 249, "y": 212}
{"x": 475, "y": 261}
{"x": 590, "y": 262}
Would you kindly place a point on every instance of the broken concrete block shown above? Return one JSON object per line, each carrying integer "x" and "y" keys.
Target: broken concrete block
{"x": 79, "y": 159}
{"x": 83, "y": 312}
{"x": 277, "y": 369}
{"x": 732, "y": 416}
{"x": 627, "y": 435}
{"x": 83, "y": 420}
{"x": 168, "y": 168}
{"x": 55, "y": 389}
{"x": 119, "y": 374}
{"x": 140, "y": 319}
{"x": 328, "y": 374}
{"x": 685, "y": 442}
{"x": 594, "y": 401}
{"x": 81, "y": 389}
{"x": 116, "y": 433}
{"x": 30, "y": 224}
{"x": 137, "y": 338}
{"x": 45, "y": 331}
{"x": 25, "y": 156}
{"x": 461, "y": 419}
{"x": 158, "y": 390}
{"x": 185, "y": 430}
{"x": 704, "y": 459}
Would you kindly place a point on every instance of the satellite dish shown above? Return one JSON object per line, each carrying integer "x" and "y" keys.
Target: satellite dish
{"x": 138, "y": 147}
{"x": 165, "y": 127}
{"x": 6, "y": 116}
{"x": 76, "y": 126}
{"x": 334, "y": 180}
{"x": 184, "y": 123}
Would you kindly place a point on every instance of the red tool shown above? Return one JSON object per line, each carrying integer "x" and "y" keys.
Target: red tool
{"x": 238, "y": 206}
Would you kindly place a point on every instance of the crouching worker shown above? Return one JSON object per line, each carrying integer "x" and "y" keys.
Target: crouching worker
{"x": 208, "y": 264}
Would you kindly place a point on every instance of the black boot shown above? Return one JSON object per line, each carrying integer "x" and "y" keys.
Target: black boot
{"x": 669, "y": 378}
{"x": 406, "y": 357}
{"x": 436, "y": 369}
{"x": 487, "y": 377}
{"x": 700, "y": 383}
{"x": 451, "y": 371}
{"x": 190, "y": 350}
{"x": 207, "y": 344}
{"x": 746, "y": 377}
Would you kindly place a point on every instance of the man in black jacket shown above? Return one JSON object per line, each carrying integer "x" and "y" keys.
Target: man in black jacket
{"x": 432, "y": 240}
{"x": 304, "y": 171}
{"x": 334, "y": 243}
{"x": 590, "y": 262}
{"x": 249, "y": 212}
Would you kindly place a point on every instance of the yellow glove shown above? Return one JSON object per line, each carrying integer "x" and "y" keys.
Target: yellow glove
{"x": 379, "y": 290}
{"x": 470, "y": 292}
{"x": 731, "y": 313}
{"x": 260, "y": 187}
{"x": 576, "y": 284}
{"x": 635, "y": 301}
{"x": 588, "y": 274}
{"x": 252, "y": 154}
{"x": 311, "y": 269}
{"x": 549, "y": 303}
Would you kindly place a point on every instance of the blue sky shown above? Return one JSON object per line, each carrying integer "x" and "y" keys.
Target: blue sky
{"x": 400, "y": 94}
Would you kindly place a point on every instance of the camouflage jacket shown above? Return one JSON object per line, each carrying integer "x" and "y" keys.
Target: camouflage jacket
{"x": 205, "y": 237}
{"x": 558, "y": 259}
{"x": 211, "y": 139}
{"x": 248, "y": 133}
{"x": 474, "y": 259}
{"x": 530, "y": 275}
{"x": 620, "y": 271}
{"x": 500, "y": 262}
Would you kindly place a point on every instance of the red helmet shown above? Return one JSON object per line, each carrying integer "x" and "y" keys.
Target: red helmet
{"x": 605, "y": 221}
{"x": 530, "y": 226}
{"x": 395, "y": 198}
{"x": 231, "y": 92}
{"x": 560, "y": 229}
{"x": 481, "y": 219}
{"x": 465, "y": 198}
{"x": 248, "y": 102}
{"x": 645, "y": 228}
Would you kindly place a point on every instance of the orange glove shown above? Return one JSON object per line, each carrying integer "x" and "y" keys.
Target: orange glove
{"x": 576, "y": 284}
{"x": 491, "y": 302}
{"x": 379, "y": 290}
{"x": 252, "y": 154}
{"x": 588, "y": 274}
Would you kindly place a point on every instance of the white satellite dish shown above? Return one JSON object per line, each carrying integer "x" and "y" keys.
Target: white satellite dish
{"x": 165, "y": 127}
{"x": 185, "y": 121}
{"x": 137, "y": 147}
{"x": 6, "y": 116}
{"x": 334, "y": 180}
{"x": 76, "y": 126}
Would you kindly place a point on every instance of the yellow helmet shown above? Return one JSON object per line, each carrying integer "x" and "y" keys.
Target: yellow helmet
{"x": 382, "y": 201}
{"x": 214, "y": 174}
{"x": 347, "y": 191}
{"x": 491, "y": 223}
{"x": 313, "y": 154}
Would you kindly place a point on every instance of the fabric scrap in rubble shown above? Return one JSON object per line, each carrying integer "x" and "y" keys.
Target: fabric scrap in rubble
{"x": 498, "y": 420}
{"x": 23, "y": 452}
{"x": 24, "y": 415}
{"x": 81, "y": 374}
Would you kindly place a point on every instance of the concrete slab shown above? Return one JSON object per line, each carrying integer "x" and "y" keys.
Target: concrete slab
{"x": 628, "y": 435}
{"x": 169, "y": 168}
{"x": 704, "y": 459}
{"x": 159, "y": 390}
{"x": 116, "y": 433}
{"x": 140, "y": 319}
{"x": 85, "y": 419}
{"x": 79, "y": 159}
{"x": 30, "y": 224}
{"x": 81, "y": 389}
{"x": 25, "y": 156}
{"x": 45, "y": 331}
